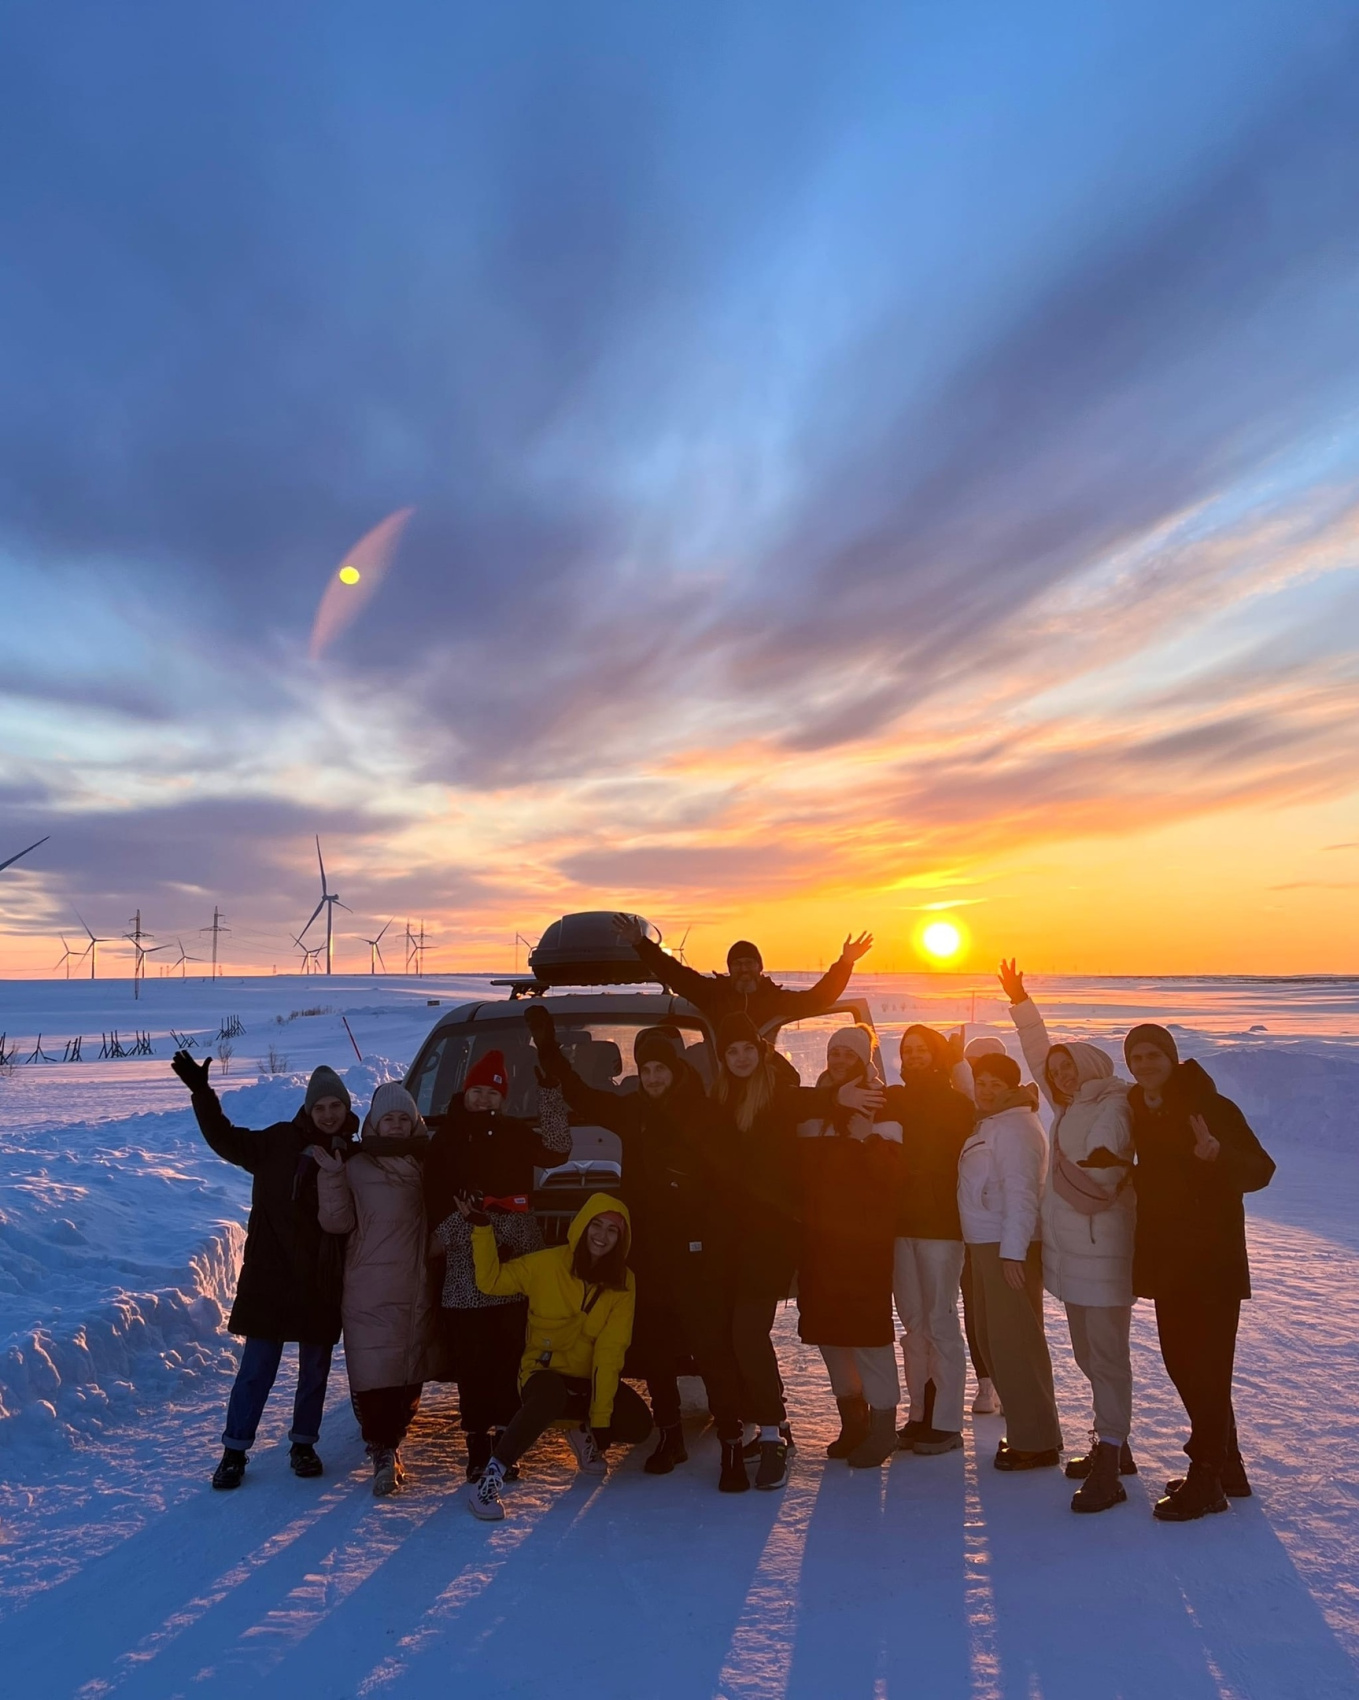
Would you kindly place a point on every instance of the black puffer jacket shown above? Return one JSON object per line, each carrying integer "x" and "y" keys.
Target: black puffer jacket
{"x": 936, "y": 1122}
{"x": 715, "y": 994}
{"x": 1191, "y": 1223}
{"x": 292, "y": 1271}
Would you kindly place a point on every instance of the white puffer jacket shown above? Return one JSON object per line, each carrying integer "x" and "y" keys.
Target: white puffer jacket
{"x": 1000, "y": 1178}
{"x": 1087, "y": 1260}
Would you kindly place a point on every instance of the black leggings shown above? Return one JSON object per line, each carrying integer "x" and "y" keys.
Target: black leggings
{"x": 385, "y": 1413}
{"x": 1198, "y": 1346}
{"x": 691, "y": 1315}
{"x": 546, "y": 1396}
{"x": 486, "y": 1346}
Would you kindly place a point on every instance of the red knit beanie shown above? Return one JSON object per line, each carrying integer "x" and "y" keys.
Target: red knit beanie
{"x": 489, "y": 1070}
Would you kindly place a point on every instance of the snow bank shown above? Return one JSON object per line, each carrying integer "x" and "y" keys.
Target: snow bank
{"x": 120, "y": 1243}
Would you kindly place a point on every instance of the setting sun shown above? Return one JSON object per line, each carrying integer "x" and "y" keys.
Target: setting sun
{"x": 942, "y": 941}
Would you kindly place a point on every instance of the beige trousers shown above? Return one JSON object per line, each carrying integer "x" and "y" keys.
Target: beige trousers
{"x": 864, "y": 1372}
{"x": 1010, "y": 1324}
{"x": 926, "y": 1279}
{"x": 1099, "y": 1339}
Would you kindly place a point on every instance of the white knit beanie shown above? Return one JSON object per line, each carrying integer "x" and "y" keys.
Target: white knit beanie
{"x": 856, "y": 1039}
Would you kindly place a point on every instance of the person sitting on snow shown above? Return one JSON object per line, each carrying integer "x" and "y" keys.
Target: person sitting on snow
{"x": 289, "y": 1287}
{"x": 745, "y": 989}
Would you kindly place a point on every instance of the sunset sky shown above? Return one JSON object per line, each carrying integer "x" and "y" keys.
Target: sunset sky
{"x": 866, "y": 461}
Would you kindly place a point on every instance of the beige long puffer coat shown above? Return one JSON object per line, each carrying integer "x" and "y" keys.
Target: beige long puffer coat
{"x": 386, "y": 1307}
{"x": 1087, "y": 1260}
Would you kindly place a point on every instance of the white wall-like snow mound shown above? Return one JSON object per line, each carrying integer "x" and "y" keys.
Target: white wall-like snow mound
{"x": 57, "y": 1383}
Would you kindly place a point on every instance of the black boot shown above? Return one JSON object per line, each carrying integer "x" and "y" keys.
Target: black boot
{"x": 479, "y": 1447}
{"x": 230, "y": 1472}
{"x": 909, "y": 1432}
{"x": 1235, "y": 1482}
{"x": 1009, "y": 1459}
{"x": 853, "y": 1427}
{"x": 302, "y": 1457}
{"x": 1078, "y": 1468}
{"x": 734, "y": 1478}
{"x": 670, "y": 1450}
{"x": 1199, "y": 1495}
{"x": 879, "y": 1443}
{"x": 1101, "y": 1488}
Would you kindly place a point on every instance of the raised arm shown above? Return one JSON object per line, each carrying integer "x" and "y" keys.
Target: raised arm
{"x": 499, "y": 1280}
{"x": 1029, "y": 1024}
{"x": 603, "y": 1109}
{"x": 675, "y": 976}
{"x": 830, "y": 988}
{"x": 242, "y": 1146}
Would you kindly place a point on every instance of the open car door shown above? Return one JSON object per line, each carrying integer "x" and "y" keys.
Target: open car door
{"x": 804, "y": 1042}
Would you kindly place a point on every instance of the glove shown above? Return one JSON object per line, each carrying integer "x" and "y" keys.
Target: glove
{"x": 194, "y": 1075}
{"x": 542, "y": 1029}
{"x": 471, "y": 1197}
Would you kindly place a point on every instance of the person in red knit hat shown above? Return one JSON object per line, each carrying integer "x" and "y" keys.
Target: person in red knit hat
{"x": 479, "y": 1150}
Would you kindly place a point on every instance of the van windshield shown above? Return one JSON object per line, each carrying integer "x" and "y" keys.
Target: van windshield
{"x": 599, "y": 1051}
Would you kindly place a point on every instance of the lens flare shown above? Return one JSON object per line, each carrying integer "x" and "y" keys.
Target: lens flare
{"x": 357, "y": 581}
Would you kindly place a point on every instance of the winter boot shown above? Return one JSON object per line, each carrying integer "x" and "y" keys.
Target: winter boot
{"x": 479, "y": 1449}
{"x": 388, "y": 1472}
{"x": 483, "y": 1495}
{"x": 1010, "y": 1459}
{"x": 1078, "y": 1468}
{"x": 1235, "y": 1483}
{"x": 752, "y": 1447}
{"x": 907, "y": 1433}
{"x": 303, "y": 1460}
{"x": 853, "y": 1427}
{"x": 879, "y": 1443}
{"x": 1101, "y": 1487}
{"x": 670, "y": 1450}
{"x": 589, "y": 1459}
{"x": 1199, "y": 1495}
{"x": 734, "y": 1478}
{"x": 937, "y": 1440}
{"x": 773, "y": 1470}
{"x": 987, "y": 1402}
{"x": 231, "y": 1471}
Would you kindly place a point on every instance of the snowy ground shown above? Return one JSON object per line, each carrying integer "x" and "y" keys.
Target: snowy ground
{"x": 121, "y": 1572}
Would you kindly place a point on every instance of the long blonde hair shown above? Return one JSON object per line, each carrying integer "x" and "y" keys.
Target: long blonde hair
{"x": 746, "y": 1098}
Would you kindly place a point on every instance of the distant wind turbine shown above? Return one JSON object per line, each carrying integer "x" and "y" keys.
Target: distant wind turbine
{"x": 135, "y": 938}
{"x": 181, "y": 959}
{"x": 67, "y": 956}
{"x": 91, "y": 949}
{"x": 375, "y": 950}
{"x": 328, "y": 901}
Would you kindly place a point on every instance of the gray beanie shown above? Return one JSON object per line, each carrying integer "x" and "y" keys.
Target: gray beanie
{"x": 325, "y": 1083}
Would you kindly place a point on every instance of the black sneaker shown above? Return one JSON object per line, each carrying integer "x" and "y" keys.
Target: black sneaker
{"x": 231, "y": 1471}
{"x": 479, "y": 1447}
{"x": 773, "y": 1470}
{"x": 752, "y": 1447}
{"x": 303, "y": 1460}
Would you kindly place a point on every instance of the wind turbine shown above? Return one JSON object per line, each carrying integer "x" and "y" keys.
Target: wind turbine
{"x": 90, "y": 949}
{"x": 308, "y": 952}
{"x": 15, "y": 857}
{"x": 375, "y": 950}
{"x": 181, "y": 959}
{"x": 67, "y": 955}
{"x": 679, "y": 948}
{"x": 135, "y": 938}
{"x": 328, "y": 901}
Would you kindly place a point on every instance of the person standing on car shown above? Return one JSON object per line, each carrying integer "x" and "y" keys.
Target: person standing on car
{"x": 581, "y": 1299}
{"x": 745, "y": 988}
{"x": 1088, "y": 1213}
{"x": 936, "y": 1122}
{"x": 289, "y": 1286}
{"x": 671, "y": 1183}
{"x": 851, "y": 1176}
{"x": 477, "y": 1149}
{"x": 374, "y": 1196}
{"x": 761, "y": 1227}
{"x": 1000, "y": 1182}
{"x": 1196, "y": 1158}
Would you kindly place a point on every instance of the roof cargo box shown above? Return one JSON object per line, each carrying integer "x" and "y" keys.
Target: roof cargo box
{"x": 584, "y": 950}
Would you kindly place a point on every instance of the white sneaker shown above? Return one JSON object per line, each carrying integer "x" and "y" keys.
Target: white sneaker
{"x": 483, "y": 1497}
{"x": 986, "y": 1404}
{"x": 589, "y": 1459}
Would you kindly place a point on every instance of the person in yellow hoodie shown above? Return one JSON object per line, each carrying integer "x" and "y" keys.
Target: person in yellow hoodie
{"x": 581, "y": 1298}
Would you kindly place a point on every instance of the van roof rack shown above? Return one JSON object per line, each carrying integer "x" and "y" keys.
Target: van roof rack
{"x": 523, "y": 988}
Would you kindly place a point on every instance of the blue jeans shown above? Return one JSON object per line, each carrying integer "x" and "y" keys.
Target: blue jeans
{"x": 255, "y": 1378}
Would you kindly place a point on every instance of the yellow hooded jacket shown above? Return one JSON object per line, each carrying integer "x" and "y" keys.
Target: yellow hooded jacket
{"x": 573, "y": 1329}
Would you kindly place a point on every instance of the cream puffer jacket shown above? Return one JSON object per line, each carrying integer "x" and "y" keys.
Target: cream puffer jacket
{"x": 1087, "y": 1260}
{"x": 1000, "y": 1177}
{"x": 387, "y": 1305}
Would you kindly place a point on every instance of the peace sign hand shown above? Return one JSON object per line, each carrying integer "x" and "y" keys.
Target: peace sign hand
{"x": 1206, "y": 1147}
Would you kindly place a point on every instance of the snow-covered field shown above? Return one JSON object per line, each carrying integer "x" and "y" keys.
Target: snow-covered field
{"x": 121, "y": 1572}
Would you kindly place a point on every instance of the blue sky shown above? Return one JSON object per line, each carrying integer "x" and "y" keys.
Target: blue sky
{"x": 766, "y": 381}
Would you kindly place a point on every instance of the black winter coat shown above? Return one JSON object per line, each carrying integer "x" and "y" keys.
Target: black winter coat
{"x": 1191, "y": 1223}
{"x": 716, "y": 996}
{"x": 936, "y": 1122}
{"x": 674, "y": 1168}
{"x": 849, "y": 1207}
{"x": 292, "y": 1272}
{"x": 486, "y": 1150}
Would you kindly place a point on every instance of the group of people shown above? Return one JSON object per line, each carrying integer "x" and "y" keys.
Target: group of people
{"x": 874, "y": 1203}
